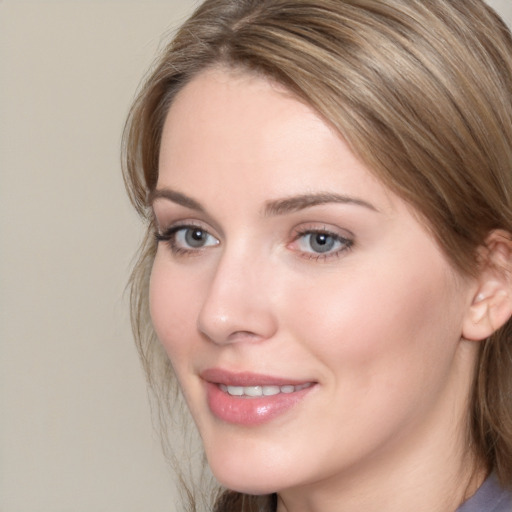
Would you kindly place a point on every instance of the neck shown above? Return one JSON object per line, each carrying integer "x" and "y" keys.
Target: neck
{"x": 423, "y": 487}
{"x": 429, "y": 467}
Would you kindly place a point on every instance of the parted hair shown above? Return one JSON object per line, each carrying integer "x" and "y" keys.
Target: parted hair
{"x": 421, "y": 90}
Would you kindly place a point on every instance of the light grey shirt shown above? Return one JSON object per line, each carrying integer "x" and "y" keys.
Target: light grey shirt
{"x": 491, "y": 497}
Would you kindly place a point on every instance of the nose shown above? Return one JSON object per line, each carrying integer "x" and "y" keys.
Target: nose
{"x": 238, "y": 304}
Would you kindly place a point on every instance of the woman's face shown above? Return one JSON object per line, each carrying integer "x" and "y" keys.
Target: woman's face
{"x": 313, "y": 323}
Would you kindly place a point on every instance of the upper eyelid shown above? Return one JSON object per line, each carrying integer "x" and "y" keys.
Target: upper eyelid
{"x": 314, "y": 227}
{"x": 338, "y": 236}
{"x": 178, "y": 227}
{"x": 166, "y": 227}
{"x": 164, "y": 221}
{"x": 184, "y": 224}
{"x": 343, "y": 235}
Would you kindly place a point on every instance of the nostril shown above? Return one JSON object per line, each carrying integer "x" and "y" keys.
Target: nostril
{"x": 253, "y": 326}
{"x": 240, "y": 336}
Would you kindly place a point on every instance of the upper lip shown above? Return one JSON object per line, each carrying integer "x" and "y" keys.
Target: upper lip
{"x": 229, "y": 378}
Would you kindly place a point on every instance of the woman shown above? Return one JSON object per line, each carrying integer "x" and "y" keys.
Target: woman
{"x": 327, "y": 188}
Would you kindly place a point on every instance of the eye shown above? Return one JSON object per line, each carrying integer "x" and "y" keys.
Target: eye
{"x": 320, "y": 243}
{"x": 187, "y": 239}
{"x": 193, "y": 238}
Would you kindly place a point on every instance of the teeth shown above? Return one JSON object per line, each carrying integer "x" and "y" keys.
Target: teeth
{"x": 252, "y": 391}
{"x": 257, "y": 391}
{"x": 270, "y": 390}
{"x": 236, "y": 390}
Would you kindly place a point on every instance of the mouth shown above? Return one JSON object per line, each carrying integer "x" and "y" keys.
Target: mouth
{"x": 260, "y": 391}
{"x": 250, "y": 399}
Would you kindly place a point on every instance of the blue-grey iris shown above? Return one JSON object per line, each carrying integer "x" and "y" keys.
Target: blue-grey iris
{"x": 321, "y": 242}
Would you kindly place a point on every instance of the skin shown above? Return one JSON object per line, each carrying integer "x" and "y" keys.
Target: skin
{"x": 375, "y": 323}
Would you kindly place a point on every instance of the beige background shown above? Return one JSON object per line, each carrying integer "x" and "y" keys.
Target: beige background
{"x": 75, "y": 433}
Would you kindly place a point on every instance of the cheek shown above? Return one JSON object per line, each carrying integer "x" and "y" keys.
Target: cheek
{"x": 380, "y": 326}
{"x": 386, "y": 346}
{"x": 173, "y": 301}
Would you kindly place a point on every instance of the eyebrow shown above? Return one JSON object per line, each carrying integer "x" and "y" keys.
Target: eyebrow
{"x": 175, "y": 197}
{"x": 273, "y": 207}
{"x": 296, "y": 203}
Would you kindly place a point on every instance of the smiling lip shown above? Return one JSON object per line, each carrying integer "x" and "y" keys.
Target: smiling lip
{"x": 251, "y": 399}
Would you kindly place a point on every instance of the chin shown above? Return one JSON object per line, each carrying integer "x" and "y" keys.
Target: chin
{"x": 246, "y": 476}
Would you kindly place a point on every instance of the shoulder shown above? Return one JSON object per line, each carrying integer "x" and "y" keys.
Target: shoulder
{"x": 491, "y": 497}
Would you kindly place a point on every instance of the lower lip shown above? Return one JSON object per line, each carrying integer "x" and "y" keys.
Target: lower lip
{"x": 250, "y": 411}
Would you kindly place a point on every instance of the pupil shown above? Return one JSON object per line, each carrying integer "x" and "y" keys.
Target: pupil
{"x": 322, "y": 242}
{"x": 195, "y": 237}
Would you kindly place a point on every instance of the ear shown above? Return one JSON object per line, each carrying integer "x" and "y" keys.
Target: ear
{"x": 491, "y": 304}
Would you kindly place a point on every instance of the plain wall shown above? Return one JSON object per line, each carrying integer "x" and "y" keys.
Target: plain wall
{"x": 75, "y": 432}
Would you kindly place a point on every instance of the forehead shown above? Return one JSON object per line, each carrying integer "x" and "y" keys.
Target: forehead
{"x": 236, "y": 108}
{"x": 228, "y": 126}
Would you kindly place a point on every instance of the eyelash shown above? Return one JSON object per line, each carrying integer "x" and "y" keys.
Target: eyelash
{"x": 346, "y": 243}
{"x": 169, "y": 237}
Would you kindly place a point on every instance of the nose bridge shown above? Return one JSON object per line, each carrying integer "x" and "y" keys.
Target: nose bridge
{"x": 238, "y": 302}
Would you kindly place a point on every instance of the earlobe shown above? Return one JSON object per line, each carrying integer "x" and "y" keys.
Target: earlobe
{"x": 491, "y": 306}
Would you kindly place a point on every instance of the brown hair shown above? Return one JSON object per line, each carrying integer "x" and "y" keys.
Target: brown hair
{"x": 422, "y": 92}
